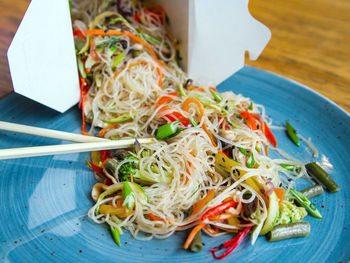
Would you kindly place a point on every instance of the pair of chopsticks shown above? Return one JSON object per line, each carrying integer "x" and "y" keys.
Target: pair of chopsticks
{"x": 83, "y": 143}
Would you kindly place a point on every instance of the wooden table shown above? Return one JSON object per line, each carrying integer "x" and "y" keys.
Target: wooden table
{"x": 310, "y": 43}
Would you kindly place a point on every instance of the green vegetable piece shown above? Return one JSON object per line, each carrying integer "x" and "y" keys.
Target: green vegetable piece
{"x": 108, "y": 42}
{"x": 313, "y": 191}
{"x": 193, "y": 122}
{"x": 112, "y": 50}
{"x": 135, "y": 53}
{"x": 292, "y": 134}
{"x": 138, "y": 190}
{"x": 196, "y": 245}
{"x": 216, "y": 96}
{"x": 251, "y": 105}
{"x": 272, "y": 214}
{"x": 119, "y": 120}
{"x": 118, "y": 59}
{"x": 322, "y": 177}
{"x": 151, "y": 39}
{"x": 250, "y": 161}
{"x": 168, "y": 130}
{"x": 243, "y": 151}
{"x": 123, "y": 20}
{"x": 116, "y": 235}
{"x": 182, "y": 90}
{"x": 96, "y": 157}
{"x": 281, "y": 232}
{"x": 302, "y": 200}
{"x": 81, "y": 68}
{"x": 290, "y": 213}
{"x": 129, "y": 196}
{"x": 289, "y": 167}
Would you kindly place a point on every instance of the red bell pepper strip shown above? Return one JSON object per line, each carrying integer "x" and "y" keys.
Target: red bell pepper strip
{"x": 104, "y": 155}
{"x": 232, "y": 243}
{"x": 83, "y": 91}
{"x": 79, "y": 33}
{"x": 218, "y": 209}
{"x": 94, "y": 167}
{"x": 269, "y": 135}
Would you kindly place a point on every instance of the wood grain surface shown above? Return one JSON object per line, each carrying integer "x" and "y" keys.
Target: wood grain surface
{"x": 310, "y": 43}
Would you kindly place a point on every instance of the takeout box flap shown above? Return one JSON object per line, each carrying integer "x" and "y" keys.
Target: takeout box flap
{"x": 42, "y": 56}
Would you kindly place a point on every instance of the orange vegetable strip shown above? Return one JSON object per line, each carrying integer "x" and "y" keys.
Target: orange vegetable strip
{"x": 102, "y": 32}
{"x": 211, "y": 231}
{"x": 222, "y": 216}
{"x": 191, "y": 88}
{"x": 193, "y": 233}
{"x": 201, "y": 111}
{"x": 280, "y": 194}
{"x": 166, "y": 98}
{"x": 267, "y": 150}
{"x": 269, "y": 135}
{"x": 92, "y": 50}
{"x": 213, "y": 89}
{"x": 249, "y": 119}
{"x": 155, "y": 218}
{"x": 198, "y": 206}
{"x": 218, "y": 209}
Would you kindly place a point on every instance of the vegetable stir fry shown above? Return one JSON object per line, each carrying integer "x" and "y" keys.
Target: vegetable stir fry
{"x": 209, "y": 170}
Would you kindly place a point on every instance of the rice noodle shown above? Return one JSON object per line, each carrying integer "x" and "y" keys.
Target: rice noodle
{"x": 183, "y": 168}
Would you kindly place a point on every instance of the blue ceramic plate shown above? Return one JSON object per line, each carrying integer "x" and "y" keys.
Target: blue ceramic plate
{"x": 44, "y": 200}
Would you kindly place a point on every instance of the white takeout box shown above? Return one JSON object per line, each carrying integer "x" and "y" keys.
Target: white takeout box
{"x": 214, "y": 37}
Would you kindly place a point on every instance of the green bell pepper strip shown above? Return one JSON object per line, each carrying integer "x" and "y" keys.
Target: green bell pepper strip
{"x": 251, "y": 105}
{"x": 292, "y": 134}
{"x": 216, "y": 96}
{"x": 302, "y": 200}
{"x": 168, "y": 130}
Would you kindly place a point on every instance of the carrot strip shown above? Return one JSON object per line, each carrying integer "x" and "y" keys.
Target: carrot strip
{"x": 213, "y": 89}
{"x": 166, "y": 98}
{"x": 198, "y": 206}
{"x": 249, "y": 119}
{"x": 102, "y": 32}
{"x": 267, "y": 150}
{"x": 185, "y": 106}
{"x": 155, "y": 218}
{"x": 211, "y": 231}
{"x": 223, "y": 216}
{"x": 280, "y": 194}
{"x": 269, "y": 135}
{"x": 193, "y": 233}
{"x": 191, "y": 88}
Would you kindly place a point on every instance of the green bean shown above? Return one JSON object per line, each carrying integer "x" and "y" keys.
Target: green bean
{"x": 322, "y": 177}
{"x": 302, "y": 200}
{"x": 182, "y": 90}
{"x": 196, "y": 244}
{"x": 292, "y": 134}
{"x": 313, "y": 191}
{"x": 281, "y": 232}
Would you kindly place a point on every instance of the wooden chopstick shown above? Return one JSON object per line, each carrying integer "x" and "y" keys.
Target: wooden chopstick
{"x": 69, "y": 148}
{"x": 67, "y": 136}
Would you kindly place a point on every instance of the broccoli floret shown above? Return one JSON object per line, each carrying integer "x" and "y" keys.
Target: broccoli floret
{"x": 128, "y": 168}
{"x": 290, "y": 213}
